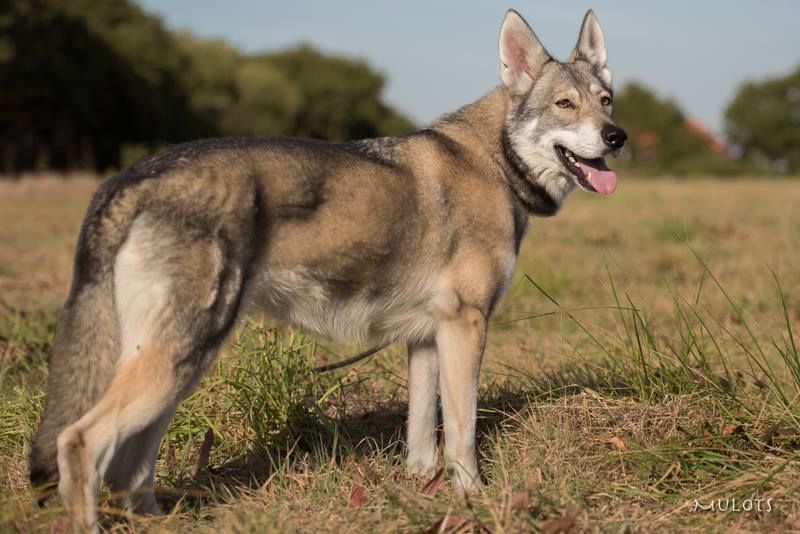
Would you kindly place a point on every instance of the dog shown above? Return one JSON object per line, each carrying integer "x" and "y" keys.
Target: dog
{"x": 409, "y": 239}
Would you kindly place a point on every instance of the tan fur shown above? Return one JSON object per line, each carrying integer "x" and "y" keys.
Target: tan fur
{"x": 410, "y": 239}
{"x": 141, "y": 392}
{"x": 460, "y": 342}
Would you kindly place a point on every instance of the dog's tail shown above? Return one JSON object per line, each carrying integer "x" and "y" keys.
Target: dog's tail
{"x": 86, "y": 347}
{"x": 81, "y": 365}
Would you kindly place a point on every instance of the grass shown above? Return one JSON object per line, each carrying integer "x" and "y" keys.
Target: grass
{"x": 644, "y": 361}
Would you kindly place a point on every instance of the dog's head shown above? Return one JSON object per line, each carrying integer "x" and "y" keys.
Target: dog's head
{"x": 560, "y": 122}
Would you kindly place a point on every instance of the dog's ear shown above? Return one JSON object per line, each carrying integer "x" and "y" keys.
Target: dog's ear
{"x": 522, "y": 56}
{"x": 591, "y": 46}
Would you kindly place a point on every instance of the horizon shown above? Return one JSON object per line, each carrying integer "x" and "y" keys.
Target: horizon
{"x": 430, "y": 72}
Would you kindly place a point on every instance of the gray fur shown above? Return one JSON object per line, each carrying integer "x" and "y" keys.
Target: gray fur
{"x": 410, "y": 239}
{"x": 81, "y": 365}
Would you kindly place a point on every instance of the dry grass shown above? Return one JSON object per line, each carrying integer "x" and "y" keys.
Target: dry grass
{"x": 622, "y": 388}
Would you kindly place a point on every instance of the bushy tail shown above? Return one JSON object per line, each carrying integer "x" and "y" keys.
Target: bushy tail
{"x": 81, "y": 366}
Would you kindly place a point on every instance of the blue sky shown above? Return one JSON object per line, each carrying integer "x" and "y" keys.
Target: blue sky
{"x": 438, "y": 55}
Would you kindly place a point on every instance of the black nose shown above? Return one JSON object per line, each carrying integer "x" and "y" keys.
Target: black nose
{"x": 614, "y": 136}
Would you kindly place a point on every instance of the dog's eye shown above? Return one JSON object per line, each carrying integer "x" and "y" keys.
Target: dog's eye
{"x": 565, "y": 103}
{"x": 605, "y": 100}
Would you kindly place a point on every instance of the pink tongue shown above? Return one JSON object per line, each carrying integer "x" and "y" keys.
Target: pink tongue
{"x": 603, "y": 179}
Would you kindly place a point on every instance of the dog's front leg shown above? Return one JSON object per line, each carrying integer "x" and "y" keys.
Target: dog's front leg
{"x": 423, "y": 382}
{"x": 460, "y": 341}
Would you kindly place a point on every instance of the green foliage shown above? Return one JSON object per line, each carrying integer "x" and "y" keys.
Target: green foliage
{"x": 659, "y": 137}
{"x": 764, "y": 121}
{"x": 84, "y": 77}
{"x": 267, "y": 103}
{"x": 339, "y": 98}
{"x": 80, "y": 80}
{"x": 299, "y": 92}
{"x": 212, "y": 64}
{"x": 275, "y": 390}
{"x": 641, "y": 361}
{"x": 267, "y": 386}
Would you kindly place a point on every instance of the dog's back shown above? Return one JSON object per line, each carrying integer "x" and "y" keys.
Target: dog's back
{"x": 345, "y": 240}
{"x": 410, "y": 239}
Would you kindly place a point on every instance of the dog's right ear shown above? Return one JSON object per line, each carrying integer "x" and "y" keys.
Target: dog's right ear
{"x": 522, "y": 56}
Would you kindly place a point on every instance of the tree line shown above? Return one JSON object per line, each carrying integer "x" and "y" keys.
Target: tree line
{"x": 97, "y": 84}
{"x": 762, "y": 131}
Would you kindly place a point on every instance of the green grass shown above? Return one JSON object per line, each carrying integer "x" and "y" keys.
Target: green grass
{"x": 626, "y": 376}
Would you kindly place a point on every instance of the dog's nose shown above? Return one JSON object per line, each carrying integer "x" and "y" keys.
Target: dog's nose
{"x": 614, "y": 136}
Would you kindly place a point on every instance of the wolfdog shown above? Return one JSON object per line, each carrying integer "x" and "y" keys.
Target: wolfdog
{"x": 410, "y": 239}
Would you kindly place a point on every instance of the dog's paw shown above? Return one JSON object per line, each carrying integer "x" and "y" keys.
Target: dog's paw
{"x": 465, "y": 481}
{"x": 421, "y": 465}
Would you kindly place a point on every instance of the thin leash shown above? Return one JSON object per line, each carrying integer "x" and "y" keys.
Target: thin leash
{"x": 349, "y": 361}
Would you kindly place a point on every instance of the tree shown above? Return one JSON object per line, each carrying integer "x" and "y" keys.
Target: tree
{"x": 763, "y": 121}
{"x": 658, "y": 137}
{"x": 340, "y": 98}
{"x": 267, "y": 102}
{"x": 97, "y": 83}
{"x": 299, "y": 92}
{"x": 209, "y": 76}
{"x": 81, "y": 78}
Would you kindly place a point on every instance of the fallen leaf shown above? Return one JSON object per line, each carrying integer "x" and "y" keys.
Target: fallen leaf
{"x": 448, "y": 522}
{"x": 432, "y": 487}
{"x": 618, "y": 443}
{"x": 521, "y": 500}
{"x": 729, "y": 430}
{"x": 358, "y": 495}
{"x": 202, "y": 454}
{"x": 560, "y": 525}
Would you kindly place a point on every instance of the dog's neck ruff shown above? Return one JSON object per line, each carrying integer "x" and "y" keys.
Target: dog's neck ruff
{"x": 521, "y": 179}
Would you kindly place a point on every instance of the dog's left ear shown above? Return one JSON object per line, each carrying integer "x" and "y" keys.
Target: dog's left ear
{"x": 591, "y": 46}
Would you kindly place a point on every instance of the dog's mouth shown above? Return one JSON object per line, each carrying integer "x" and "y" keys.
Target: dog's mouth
{"x": 591, "y": 174}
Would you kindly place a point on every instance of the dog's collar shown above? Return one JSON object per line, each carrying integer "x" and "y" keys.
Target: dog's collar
{"x": 533, "y": 196}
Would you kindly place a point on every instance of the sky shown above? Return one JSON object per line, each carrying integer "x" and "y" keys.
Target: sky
{"x": 438, "y": 55}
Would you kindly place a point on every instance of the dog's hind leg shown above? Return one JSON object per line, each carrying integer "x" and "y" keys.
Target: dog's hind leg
{"x": 141, "y": 392}
{"x": 131, "y": 475}
{"x": 177, "y": 292}
{"x": 423, "y": 382}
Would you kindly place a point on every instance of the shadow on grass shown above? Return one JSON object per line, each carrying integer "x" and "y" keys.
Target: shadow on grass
{"x": 370, "y": 427}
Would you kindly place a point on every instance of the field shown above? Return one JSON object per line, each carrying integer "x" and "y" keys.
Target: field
{"x": 641, "y": 375}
